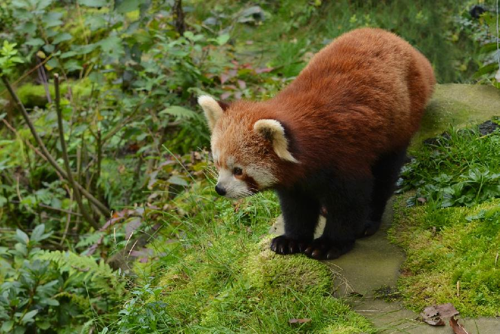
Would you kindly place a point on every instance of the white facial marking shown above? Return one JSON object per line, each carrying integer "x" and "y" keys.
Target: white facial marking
{"x": 263, "y": 176}
{"x": 230, "y": 161}
{"x": 234, "y": 188}
{"x": 215, "y": 155}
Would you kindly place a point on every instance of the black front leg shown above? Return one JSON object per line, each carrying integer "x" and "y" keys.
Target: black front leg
{"x": 347, "y": 203}
{"x": 300, "y": 216}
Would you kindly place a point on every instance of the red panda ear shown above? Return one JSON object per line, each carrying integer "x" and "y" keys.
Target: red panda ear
{"x": 273, "y": 131}
{"x": 223, "y": 105}
{"x": 213, "y": 109}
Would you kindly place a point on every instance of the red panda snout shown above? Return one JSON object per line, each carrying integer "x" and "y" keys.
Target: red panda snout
{"x": 234, "y": 186}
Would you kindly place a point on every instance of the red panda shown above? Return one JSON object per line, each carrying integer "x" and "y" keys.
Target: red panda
{"x": 335, "y": 138}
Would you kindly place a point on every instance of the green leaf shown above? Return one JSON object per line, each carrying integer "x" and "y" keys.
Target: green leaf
{"x": 7, "y": 326}
{"x": 72, "y": 65}
{"x": 44, "y": 325}
{"x": 93, "y": 3}
{"x": 37, "y": 232}
{"x": 50, "y": 302}
{"x": 126, "y": 6}
{"x": 22, "y": 237}
{"x": 62, "y": 37}
{"x": 487, "y": 69}
{"x": 28, "y": 317}
{"x": 112, "y": 46}
{"x": 222, "y": 39}
{"x": 49, "y": 48}
{"x": 42, "y": 4}
{"x": 177, "y": 180}
{"x": 488, "y": 47}
{"x": 35, "y": 42}
{"x": 52, "y": 19}
{"x": 179, "y": 112}
{"x": 68, "y": 54}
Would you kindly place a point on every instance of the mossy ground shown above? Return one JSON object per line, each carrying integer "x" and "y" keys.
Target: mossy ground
{"x": 221, "y": 277}
{"x": 452, "y": 256}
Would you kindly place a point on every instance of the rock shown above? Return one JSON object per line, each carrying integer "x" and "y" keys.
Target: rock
{"x": 457, "y": 105}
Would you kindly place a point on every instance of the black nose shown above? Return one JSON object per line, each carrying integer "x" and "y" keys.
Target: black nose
{"x": 221, "y": 191}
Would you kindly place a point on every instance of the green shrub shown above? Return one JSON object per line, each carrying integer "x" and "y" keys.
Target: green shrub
{"x": 50, "y": 291}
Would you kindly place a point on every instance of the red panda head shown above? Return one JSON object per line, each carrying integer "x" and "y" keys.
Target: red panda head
{"x": 247, "y": 150}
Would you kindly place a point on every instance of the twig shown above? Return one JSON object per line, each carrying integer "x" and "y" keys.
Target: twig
{"x": 180, "y": 24}
{"x": 102, "y": 208}
{"x": 72, "y": 182}
{"x": 68, "y": 220}
{"x": 60, "y": 210}
{"x": 43, "y": 78}
{"x": 28, "y": 73}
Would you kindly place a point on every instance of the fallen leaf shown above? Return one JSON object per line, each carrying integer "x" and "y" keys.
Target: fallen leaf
{"x": 421, "y": 200}
{"x": 457, "y": 328}
{"x": 447, "y": 310}
{"x": 298, "y": 321}
{"x": 430, "y": 315}
{"x": 433, "y": 315}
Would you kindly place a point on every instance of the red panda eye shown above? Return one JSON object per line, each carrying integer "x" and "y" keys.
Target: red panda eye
{"x": 237, "y": 171}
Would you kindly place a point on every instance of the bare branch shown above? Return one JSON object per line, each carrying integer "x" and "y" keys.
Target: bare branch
{"x": 71, "y": 181}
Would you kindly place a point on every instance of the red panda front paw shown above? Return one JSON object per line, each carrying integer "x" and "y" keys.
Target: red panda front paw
{"x": 326, "y": 249}
{"x": 283, "y": 245}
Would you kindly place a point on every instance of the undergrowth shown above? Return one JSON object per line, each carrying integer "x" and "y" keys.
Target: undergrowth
{"x": 459, "y": 168}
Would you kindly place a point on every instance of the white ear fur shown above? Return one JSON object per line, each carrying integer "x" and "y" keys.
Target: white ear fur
{"x": 213, "y": 111}
{"x": 274, "y": 131}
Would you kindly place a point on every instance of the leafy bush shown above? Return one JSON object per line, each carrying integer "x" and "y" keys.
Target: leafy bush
{"x": 490, "y": 54}
{"x": 52, "y": 290}
{"x": 458, "y": 168}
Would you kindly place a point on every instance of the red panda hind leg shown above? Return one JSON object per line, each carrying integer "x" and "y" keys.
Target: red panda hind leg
{"x": 385, "y": 173}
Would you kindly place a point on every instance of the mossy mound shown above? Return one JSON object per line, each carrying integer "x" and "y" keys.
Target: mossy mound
{"x": 225, "y": 279}
{"x": 457, "y": 105}
{"x": 452, "y": 256}
{"x": 238, "y": 286}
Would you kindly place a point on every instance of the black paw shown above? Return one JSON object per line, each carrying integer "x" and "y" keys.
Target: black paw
{"x": 282, "y": 245}
{"x": 370, "y": 228}
{"x": 325, "y": 249}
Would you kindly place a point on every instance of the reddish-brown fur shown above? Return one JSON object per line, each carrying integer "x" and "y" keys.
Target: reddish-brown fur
{"x": 360, "y": 97}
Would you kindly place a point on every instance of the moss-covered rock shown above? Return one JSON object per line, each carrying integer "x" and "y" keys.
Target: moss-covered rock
{"x": 32, "y": 95}
{"x": 457, "y": 105}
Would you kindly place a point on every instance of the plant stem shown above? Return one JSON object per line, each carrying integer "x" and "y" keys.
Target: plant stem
{"x": 180, "y": 24}
{"x": 71, "y": 180}
{"x": 102, "y": 208}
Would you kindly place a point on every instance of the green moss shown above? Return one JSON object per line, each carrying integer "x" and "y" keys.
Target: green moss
{"x": 238, "y": 284}
{"x": 452, "y": 256}
{"x": 224, "y": 278}
{"x": 32, "y": 95}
